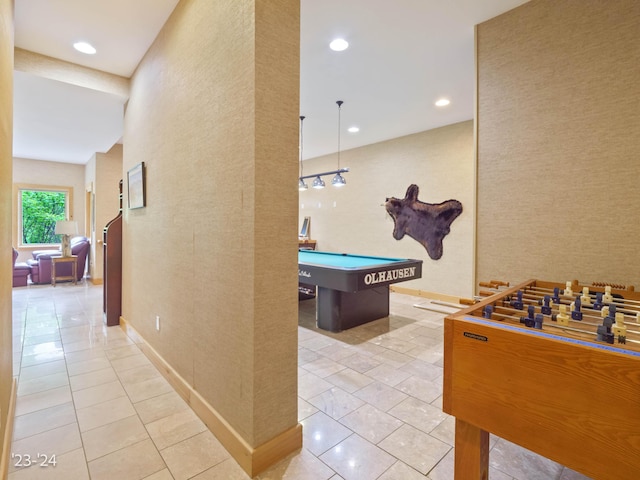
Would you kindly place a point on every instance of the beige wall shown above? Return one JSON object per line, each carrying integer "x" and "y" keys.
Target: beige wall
{"x": 39, "y": 172}
{"x": 558, "y": 142}
{"x": 214, "y": 251}
{"x": 102, "y": 174}
{"x": 353, "y": 219}
{"x": 6, "y": 275}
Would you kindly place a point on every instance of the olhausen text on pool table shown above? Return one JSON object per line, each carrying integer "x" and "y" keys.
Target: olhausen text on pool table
{"x": 351, "y": 289}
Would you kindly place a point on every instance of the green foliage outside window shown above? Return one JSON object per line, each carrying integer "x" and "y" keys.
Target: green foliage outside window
{"x": 40, "y": 212}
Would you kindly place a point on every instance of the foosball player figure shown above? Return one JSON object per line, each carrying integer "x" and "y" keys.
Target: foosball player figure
{"x": 597, "y": 305}
{"x": 619, "y": 328}
{"x": 585, "y": 298}
{"x": 607, "y": 297}
{"x": 538, "y": 321}
{"x": 576, "y": 313}
{"x": 612, "y": 312}
{"x": 567, "y": 290}
{"x": 546, "y": 305}
{"x": 556, "y": 295}
{"x": 561, "y": 317}
{"x": 517, "y": 303}
{"x": 487, "y": 311}
{"x": 604, "y": 333}
{"x": 529, "y": 320}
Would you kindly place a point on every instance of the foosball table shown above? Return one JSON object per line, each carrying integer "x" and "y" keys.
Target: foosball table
{"x": 552, "y": 367}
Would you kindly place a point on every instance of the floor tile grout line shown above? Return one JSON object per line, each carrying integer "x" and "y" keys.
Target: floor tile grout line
{"x": 394, "y": 387}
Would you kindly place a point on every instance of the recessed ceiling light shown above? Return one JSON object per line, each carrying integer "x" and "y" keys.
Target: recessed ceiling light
{"x": 443, "y": 102}
{"x": 84, "y": 47}
{"x": 339, "y": 44}
{"x": 353, "y": 129}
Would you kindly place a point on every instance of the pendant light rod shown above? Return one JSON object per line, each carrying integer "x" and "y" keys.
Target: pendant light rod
{"x": 339, "y": 102}
{"x": 301, "y": 143}
{"x": 301, "y": 185}
{"x": 318, "y": 183}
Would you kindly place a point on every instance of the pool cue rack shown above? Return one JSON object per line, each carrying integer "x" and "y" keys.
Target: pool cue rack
{"x": 555, "y": 389}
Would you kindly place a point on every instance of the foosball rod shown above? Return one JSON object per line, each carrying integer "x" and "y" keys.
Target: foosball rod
{"x": 534, "y": 300}
{"x": 569, "y": 299}
{"x": 599, "y": 318}
{"x": 587, "y": 333}
{"x": 497, "y": 285}
{"x": 616, "y": 300}
{"x": 525, "y": 313}
{"x": 541, "y": 293}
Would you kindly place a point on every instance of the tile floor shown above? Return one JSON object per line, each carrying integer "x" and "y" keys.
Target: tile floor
{"x": 369, "y": 402}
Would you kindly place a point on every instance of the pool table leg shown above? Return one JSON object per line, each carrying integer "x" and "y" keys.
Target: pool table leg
{"x": 337, "y": 310}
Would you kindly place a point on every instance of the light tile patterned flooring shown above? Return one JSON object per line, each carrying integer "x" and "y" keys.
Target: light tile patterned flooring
{"x": 369, "y": 402}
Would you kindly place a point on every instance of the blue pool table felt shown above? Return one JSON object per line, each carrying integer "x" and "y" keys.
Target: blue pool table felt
{"x": 341, "y": 260}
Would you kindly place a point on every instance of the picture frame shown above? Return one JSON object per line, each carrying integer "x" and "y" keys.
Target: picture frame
{"x": 136, "y": 187}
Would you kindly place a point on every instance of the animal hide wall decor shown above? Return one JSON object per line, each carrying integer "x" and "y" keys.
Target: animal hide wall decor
{"x": 426, "y": 223}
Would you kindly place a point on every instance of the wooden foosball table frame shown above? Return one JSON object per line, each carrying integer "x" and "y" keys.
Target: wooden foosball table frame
{"x": 557, "y": 392}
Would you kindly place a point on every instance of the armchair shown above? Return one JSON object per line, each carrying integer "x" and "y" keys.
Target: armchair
{"x": 41, "y": 262}
{"x": 20, "y": 271}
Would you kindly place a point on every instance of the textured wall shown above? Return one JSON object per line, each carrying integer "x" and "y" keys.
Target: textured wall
{"x": 214, "y": 252}
{"x": 558, "y": 142}
{"x": 6, "y": 165}
{"x": 353, "y": 219}
{"x": 108, "y": 173}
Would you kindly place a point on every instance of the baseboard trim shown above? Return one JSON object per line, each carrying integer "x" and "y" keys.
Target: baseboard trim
{"x": 252, "y": 460}
{"x": 422, "y": 293}
{"x": 8, "y": 432}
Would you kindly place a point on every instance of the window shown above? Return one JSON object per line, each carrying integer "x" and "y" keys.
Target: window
{"x": 39, "y": 208}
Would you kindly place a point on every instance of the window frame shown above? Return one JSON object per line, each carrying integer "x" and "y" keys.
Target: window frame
{"x": 18, "y": 188}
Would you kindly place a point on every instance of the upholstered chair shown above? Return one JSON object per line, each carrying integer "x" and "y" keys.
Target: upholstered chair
{"x": 41, "y": 262}
{"x": 21, "y": 271}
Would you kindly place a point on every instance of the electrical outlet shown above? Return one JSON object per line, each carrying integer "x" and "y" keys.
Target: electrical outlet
{"x": 158, "y": 323}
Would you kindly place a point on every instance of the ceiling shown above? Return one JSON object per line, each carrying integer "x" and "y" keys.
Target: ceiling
{"x": 403, "y": 56}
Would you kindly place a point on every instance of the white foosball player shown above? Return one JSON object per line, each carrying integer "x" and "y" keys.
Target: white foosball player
{"x": 619, "y": 329}
{"x": 607, "y": 297}
{"x": 585, "y": 298}
{"x": 562, "y": 318}
{"x": 567, "y": 290}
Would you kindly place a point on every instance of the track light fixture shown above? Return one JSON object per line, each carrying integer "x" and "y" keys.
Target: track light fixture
{"x": 318, "y": 183}
{"x": 338, "y": 180}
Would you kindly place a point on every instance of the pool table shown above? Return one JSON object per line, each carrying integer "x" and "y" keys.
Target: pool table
{"x": 351, "y": 289}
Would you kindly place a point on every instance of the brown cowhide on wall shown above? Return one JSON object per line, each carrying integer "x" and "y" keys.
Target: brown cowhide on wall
{"x": 427, "y": 223}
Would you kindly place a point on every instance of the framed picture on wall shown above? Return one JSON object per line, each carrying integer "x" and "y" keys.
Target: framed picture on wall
{"x": 136, "y": 186}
